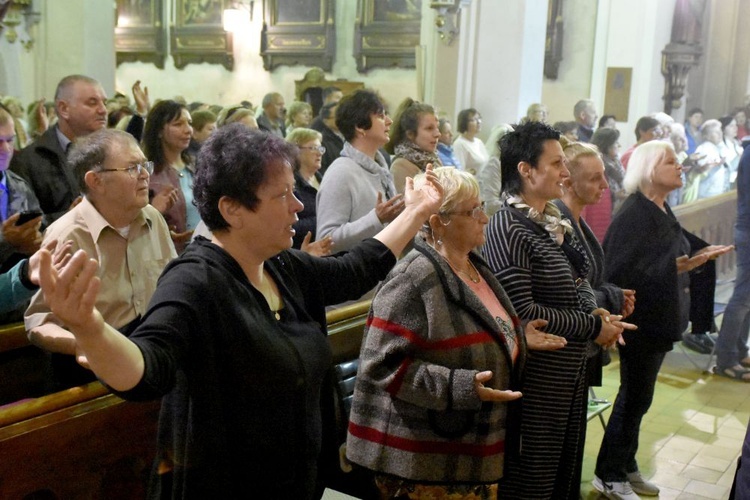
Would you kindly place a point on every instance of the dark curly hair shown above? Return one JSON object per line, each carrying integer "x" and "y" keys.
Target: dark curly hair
{"x": 354, "y": 111}
{"x": 523, "y": 144}
{"x": 234, "y": 162}
{"x": 159, "y": 116}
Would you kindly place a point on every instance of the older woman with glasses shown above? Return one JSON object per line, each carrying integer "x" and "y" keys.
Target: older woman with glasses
{"x": 441, "y": 363}
{"x": 534, "y": 254}
{"x": 306, "y": 183}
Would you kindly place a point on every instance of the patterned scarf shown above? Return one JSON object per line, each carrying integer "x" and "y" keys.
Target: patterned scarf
{"x": 551, "y": 219}
{"x": 560, "y": 230}
{"x": 411, "y": 152}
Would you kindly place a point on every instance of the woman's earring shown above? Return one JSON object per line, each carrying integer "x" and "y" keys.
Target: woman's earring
{"x": 439, "y": 241}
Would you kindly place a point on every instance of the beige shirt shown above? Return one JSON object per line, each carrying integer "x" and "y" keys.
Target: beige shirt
{"x": 128, "y": 268}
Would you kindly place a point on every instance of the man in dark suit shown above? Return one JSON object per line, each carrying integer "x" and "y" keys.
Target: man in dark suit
{"x": 80, "y": 102}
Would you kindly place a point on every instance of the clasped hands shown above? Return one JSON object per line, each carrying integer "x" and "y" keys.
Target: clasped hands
{"x": 612, "y": 328}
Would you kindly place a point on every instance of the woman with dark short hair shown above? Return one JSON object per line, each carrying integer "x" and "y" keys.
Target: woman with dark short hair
{"x": 234, "y": 340}
{"x": 533, "y": 252}
{"x": 468, "y": 147}
{"x": 357, "y": 197}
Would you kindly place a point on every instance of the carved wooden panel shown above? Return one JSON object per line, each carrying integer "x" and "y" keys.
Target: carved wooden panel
{"x": 386, "y": 33}
{"x": 298, "y": 32}
{"x": 140, "y": 32}
{"x": 198, "y": 33}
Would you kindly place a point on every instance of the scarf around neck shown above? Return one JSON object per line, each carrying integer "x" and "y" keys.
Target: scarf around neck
{"x": 419, "y": 157}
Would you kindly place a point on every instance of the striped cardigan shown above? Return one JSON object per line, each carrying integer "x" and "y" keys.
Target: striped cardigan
{"x": 416, "y": 413}
{"x": 536, "y": 273}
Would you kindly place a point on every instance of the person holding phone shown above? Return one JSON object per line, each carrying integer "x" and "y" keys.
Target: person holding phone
{"x": 19, "y": 208}
{"x": 357, "y": 197}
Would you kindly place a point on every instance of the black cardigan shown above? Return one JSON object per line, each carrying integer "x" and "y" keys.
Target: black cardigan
{"x": 640, "y": 249}
{"x": 240, "y": 415}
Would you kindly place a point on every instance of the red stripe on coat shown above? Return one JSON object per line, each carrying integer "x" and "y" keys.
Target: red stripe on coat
{"x": 434, "y": 345}
{"x": 415, "y": 446}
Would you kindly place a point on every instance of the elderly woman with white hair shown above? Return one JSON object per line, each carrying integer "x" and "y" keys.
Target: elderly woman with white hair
{"x": 712, "y": 172}
{"x": 646, "y": 250}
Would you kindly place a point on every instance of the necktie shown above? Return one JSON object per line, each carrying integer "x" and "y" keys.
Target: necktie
{"x": 4, "y": 201}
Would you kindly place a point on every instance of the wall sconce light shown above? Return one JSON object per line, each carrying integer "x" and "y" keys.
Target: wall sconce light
{"x": 447, "y": 14}
{"x": 239, "y": 16}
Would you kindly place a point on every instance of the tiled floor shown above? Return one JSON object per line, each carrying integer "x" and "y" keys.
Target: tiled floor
{"x": 691, "y": 437}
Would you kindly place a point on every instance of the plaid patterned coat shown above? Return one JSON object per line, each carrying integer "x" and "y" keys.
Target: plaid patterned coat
{"x": 416, "y": 413}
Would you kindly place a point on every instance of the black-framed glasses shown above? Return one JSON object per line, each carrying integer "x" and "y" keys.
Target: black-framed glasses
{"x": 474, "y": 213}
{"x": 134, "y": 170}
{"x": 319, "y": 149}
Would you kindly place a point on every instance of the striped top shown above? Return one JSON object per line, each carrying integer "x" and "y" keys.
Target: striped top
{"x": 537, "y": 277}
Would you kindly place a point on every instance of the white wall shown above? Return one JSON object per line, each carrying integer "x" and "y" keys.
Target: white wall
{"x": 574, "y": 76}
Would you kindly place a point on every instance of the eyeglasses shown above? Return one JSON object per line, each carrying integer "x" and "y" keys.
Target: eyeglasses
{"x": 319, "y": 149}
{"x": 133, "y": 170}
{"x": 381, "y": 114}
{"x": 474, "y": 213}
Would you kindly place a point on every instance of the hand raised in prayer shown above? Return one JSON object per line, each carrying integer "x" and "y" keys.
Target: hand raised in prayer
{"x": 428, "y": 196}
{"x": 319, "y": 248}
{"x": 389, "y": 209}
{"x": 71, "y": 292}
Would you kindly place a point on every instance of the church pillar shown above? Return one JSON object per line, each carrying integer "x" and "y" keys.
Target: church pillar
{"x": 495, "y": 63}
{"x": 76, "y": 36}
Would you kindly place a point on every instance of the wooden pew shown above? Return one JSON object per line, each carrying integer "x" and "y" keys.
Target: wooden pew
{"x": 24, "y": 369}
{"x": 86, "y": 443}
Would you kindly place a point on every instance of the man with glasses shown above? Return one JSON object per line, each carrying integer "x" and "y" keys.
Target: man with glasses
{"x": 115, "y": 225}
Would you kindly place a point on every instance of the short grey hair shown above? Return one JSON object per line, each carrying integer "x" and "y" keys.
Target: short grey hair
{"x": 91, "y": 151}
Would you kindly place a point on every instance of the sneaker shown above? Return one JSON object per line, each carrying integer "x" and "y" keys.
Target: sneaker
{"x": 615, "y": 490}
{"x": 700, "y": 342}
{"x": 641, "y": 486}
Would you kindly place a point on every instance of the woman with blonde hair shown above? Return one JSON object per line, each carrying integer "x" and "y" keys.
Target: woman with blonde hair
{"x": 587, "y": 186}
{"x": 299, "y": 114}
{"x": 433, "y": 413}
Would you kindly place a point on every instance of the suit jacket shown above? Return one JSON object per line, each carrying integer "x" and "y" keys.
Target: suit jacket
{"x": 43, "y": 164}
{"x": 20, "y": 199}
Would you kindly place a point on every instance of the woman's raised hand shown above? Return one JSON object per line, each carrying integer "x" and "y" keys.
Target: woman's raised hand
{"x": 429, "y": 196}
{"x": 71, "y": 292}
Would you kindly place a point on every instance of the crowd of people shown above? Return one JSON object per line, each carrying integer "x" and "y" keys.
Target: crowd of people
{"x": 188, "y": 252}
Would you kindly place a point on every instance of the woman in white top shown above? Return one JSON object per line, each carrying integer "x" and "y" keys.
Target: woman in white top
{"x": 468, "y": 148}
{"x": 730, "y": 147}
